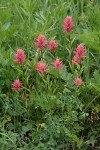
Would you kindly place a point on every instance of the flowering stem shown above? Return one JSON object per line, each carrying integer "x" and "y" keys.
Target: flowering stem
{"x": 41, "y": 55}
{"x": 26, "y": 104}
{"x": 89, "y": 104}
{"x": 70, "y": 55}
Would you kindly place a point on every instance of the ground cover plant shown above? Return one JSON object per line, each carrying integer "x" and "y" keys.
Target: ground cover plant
{"x": 49, "y": 75}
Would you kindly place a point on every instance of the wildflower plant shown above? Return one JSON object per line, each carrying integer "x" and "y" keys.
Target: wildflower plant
{"x": 46, "y": 103}
{"x": 50, "y": 85}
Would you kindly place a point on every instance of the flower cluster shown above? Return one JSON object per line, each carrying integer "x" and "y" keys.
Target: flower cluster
{"x": 41, "y": 67}
{"x": 76, "y": 60}
{"x": 52, "y": 45}
{"x": 41, "y": 43}
{"x": 68, "y": 24}
{"x": 78, "y": 81}
{"x": 20, "y": 56}
{"x": 57, "y": 64}
{"x": 79, "y": 54}
{"x": 17, "y": 85}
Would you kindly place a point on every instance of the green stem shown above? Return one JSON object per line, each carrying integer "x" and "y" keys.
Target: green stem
{"x": 89, "y": 104}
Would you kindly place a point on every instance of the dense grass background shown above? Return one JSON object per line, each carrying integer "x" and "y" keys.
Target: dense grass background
{"x": 21, "y": 21}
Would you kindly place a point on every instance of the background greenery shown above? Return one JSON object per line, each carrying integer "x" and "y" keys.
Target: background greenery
{"x": 57, "y": 116}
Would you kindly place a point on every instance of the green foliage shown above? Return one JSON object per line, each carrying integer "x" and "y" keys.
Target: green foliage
{"x": 96, "y": 81}
{"x": 51, "y": 112}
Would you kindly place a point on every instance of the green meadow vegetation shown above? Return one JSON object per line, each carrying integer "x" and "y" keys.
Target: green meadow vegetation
{"x": 49, "y": 96}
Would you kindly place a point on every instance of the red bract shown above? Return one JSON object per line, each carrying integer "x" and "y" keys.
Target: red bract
{"x": 68, "y": 24}
{"x": 17, "y": 85}
{"x": 41, "y": 67}
{"x": 78, "y": 81}
{"x": 52, "y": 45}
{"x": 20, "y": 56}
{"x": 76, "y": 60}
{"x": 57, "y": 64}
{"x": 80, "y": 51}
{"x": 41, "y": 41}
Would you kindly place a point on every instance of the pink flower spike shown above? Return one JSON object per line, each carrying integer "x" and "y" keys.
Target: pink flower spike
{"x": 76, "y": 60}
{"x": 80, "y": 51}
{"x": 52, "y": 45}
{"x": 17, "y": 85}
{"x": 57, "y": 64}
{"x": 41, "y": 41}
{"x": 68, "y": 24}
{"x": 20, "y": 56}
{"x": 41, "y": 67}
{"x": 78, "y": 82}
